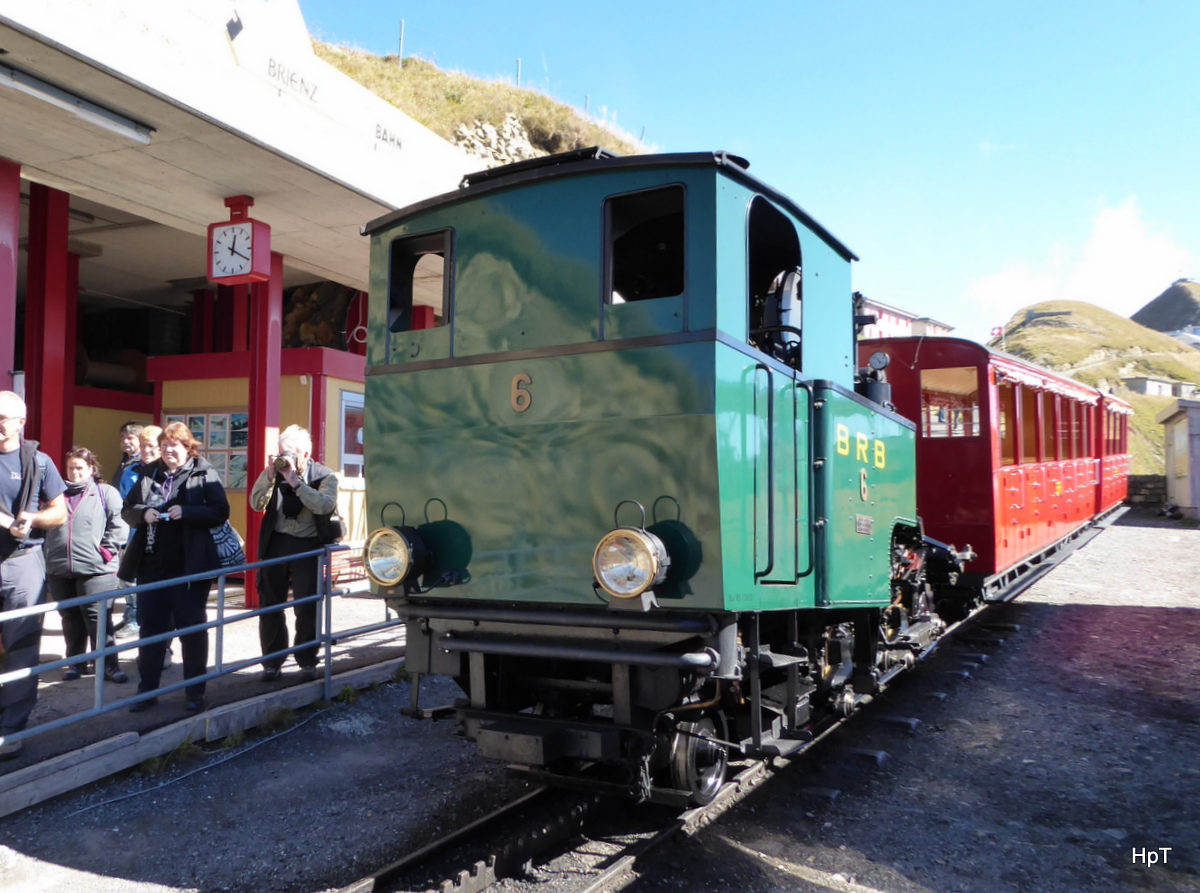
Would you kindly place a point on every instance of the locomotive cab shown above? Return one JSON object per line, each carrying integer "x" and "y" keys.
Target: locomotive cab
{"x": 626, "y": 492}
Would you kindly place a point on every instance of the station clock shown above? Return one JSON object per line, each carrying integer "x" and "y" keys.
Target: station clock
{"x": 239, "y": 249}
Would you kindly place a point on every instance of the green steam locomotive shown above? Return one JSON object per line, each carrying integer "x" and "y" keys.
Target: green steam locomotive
{"x": 632, "y": 491}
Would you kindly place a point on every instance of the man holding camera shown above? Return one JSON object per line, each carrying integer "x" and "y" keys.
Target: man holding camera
{"x": 291, "y": 492}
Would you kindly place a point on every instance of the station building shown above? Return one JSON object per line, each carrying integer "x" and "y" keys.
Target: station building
{"x": 893, "y": 322}
{"x": 1181, "y": 438}
{"x": 132, "y": 128}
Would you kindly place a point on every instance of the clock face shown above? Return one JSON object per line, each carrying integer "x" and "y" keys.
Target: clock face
{"x": 232, "y": 249}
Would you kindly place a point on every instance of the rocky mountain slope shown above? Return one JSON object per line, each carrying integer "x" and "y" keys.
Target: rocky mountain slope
{"x": 1101, "y": 348}
{"x": 1176, "y": 308}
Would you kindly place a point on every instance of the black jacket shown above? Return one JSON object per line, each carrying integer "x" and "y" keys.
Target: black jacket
{"x": 198, "y": 492}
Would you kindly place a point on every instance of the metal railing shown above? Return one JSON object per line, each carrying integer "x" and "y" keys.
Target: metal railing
{"x": 326, "y": 638}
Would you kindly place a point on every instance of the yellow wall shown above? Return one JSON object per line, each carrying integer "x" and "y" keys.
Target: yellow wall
{"x": 205, "y": 393}
{"x": 99, "y": 431}
{"x": 295, "y": 401}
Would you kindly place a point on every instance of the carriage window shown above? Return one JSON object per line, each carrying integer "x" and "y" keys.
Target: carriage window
{"x": 1030, "y": 401}
{"x": 1008, "y": 425}
{"x": 949, "y": 402}
{"x": 645, "y": 245}
{"x": 1050, "y": 443}
{"x": 419, "y": 286}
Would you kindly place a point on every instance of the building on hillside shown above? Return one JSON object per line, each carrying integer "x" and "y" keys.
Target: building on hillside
{"x": 1160, "y": 387}
{"x": 1189, "y": 335}
{"x": 892, "y": 322}
{"x": 1181, "y": 429}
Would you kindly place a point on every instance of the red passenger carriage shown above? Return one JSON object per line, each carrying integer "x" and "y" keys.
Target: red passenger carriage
{"x": 1011, "y": 458}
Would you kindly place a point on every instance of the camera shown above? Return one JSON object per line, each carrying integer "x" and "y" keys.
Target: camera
{"x": 281, "y": 461}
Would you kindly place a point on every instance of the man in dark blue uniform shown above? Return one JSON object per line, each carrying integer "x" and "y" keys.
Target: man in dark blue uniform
{"x": 31, "y": 502}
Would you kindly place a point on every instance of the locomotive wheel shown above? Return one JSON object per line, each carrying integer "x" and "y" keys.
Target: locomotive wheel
{"x": 698, "y": 759}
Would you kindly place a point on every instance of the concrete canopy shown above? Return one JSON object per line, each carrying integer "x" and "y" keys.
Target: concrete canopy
{"x": 208, "y": 101}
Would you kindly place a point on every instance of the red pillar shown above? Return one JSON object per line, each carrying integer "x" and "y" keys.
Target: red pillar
{"x": 241, "y": 319}
{"x": 70, "y": 344}
{"x": 202, "y": 321}
{"x": 45, "y": 318}
{"x": 320, "y": 385}
{"x": 266, "y": 345}
{"x": 10, "y": 235}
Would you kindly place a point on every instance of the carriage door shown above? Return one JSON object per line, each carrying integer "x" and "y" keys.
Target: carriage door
{"x": 774, "y": 318}
{"x": 776, "y": 530}
{"x": 1010, "y": 500}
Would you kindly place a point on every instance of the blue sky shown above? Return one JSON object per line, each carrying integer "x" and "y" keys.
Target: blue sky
{"x": 978, "y": 157}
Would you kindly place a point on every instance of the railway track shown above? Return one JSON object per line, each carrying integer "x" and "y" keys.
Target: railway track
{"x": 591, "y": 844}
{"x": 599, "y": 842}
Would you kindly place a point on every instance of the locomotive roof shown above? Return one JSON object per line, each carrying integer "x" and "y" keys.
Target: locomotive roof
{"x": 582, "y": 161}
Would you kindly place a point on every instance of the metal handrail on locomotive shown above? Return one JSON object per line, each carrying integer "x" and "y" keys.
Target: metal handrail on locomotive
{"x": 633, "y": 493}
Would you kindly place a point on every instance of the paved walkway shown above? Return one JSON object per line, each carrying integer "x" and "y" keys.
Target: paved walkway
{"x": 82, "y": 752}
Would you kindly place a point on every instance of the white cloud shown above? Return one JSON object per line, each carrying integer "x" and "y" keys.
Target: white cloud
{"x": 1122, "y": 266}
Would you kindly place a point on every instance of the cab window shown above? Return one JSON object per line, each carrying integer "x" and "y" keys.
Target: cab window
{"x": 644, "y": 245}
{"x": 775, "y": 286}
{"x": 419, "y": 288}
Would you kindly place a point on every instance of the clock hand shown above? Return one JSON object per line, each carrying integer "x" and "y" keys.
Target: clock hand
{"x": 239, "y": 254}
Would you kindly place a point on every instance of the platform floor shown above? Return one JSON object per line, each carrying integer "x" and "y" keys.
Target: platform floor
{"x": 244, "y": 688}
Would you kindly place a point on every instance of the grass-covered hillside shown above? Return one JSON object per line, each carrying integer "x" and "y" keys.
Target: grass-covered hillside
{"x": 1101, "y": 348}
{"x": 442, "y": 100}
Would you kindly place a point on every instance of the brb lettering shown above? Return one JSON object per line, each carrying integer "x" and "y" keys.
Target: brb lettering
{"x": 865, "y": 450}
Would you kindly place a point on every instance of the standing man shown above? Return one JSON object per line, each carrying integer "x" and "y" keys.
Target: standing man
{"x": 31, "y": 502}
{"x": 123, "y": 479}
{"x": 291, "y": 491}
{"x": 131, "y": 457}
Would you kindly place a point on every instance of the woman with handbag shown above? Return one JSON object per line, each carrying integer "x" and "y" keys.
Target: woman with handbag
{"x": 81, "y": 559}
{"x": 174, "y": 509}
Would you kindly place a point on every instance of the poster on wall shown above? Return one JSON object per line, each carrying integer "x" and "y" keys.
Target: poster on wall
{"x": 197, "y": 426}
{"x": 237, "y": 471}
{"x": 239, "y": 430}
{"x": 220, "y": 463}
{"x": 223, "y": 438}
{"x": 218, "y": 431}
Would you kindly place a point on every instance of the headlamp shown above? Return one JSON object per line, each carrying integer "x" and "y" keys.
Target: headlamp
{"x": 628, "y": 561}
{"x": 393, "y": 554}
